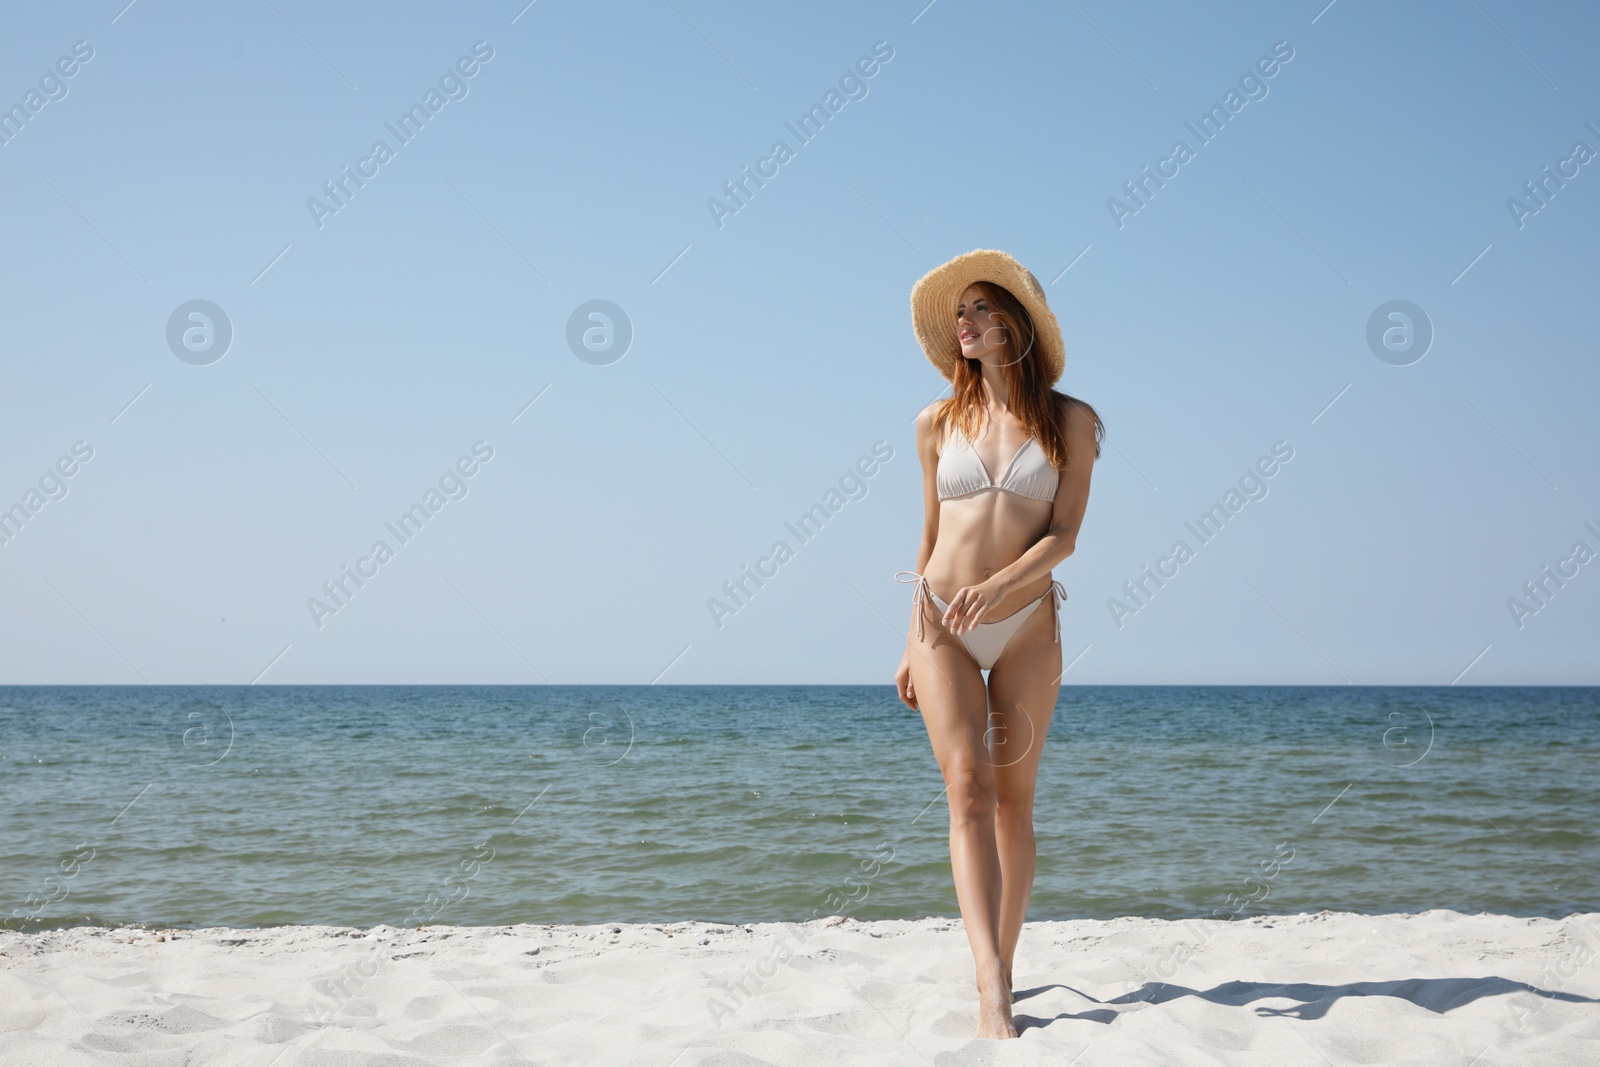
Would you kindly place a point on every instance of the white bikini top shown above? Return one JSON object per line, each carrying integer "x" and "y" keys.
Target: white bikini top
{"x": 961, "y": 473}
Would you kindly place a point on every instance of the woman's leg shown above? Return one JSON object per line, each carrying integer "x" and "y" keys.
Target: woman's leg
{"x": 950, "y": 694}
{"x": 1022, "y": 696}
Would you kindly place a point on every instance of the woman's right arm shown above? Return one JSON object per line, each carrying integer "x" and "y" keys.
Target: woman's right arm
{"x": 928, "y": 453}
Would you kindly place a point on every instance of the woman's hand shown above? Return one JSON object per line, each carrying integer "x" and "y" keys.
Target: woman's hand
{"x": 971, "y": 603}
{"x": 902, "y": 683}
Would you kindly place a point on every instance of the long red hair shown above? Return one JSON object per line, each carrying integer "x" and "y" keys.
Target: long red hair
{"x": 1040, "y": 408}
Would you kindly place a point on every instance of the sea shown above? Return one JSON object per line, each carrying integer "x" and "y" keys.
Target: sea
{"x": 249, "y": 806}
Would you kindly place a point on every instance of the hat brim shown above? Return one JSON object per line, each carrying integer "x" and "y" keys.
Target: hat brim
{"x": 936, "y": 294}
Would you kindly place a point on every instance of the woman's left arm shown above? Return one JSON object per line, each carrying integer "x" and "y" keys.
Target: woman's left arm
{"x": 970, "y": 604}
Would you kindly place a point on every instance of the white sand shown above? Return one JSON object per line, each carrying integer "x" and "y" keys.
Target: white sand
{"x": 1440, "y": 988}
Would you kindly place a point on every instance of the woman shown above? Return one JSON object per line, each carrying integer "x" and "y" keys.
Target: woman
{"x": 989, "y": 545}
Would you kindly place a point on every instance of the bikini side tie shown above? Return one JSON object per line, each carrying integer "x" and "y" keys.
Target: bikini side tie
{"x": 1057, "y": 592}
{"x": 917, "y": 598}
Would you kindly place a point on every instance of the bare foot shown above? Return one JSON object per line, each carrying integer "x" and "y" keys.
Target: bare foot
{"x": 994, "y": 1008}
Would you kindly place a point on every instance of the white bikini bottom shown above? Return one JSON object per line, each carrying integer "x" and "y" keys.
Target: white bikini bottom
{"x": 988, "y": 639}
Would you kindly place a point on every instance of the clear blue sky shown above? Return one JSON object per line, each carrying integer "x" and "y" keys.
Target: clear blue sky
{"x": 373, "y": 346}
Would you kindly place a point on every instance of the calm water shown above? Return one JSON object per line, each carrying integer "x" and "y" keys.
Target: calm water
{"x": 361, "y": 805}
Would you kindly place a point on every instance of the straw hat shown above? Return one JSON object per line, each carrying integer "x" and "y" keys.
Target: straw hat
{"x": 936, "y": 294}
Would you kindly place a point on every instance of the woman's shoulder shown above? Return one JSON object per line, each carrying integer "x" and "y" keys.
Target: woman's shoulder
{"x": 1072, "y": 406}
{"x": 928, "y": 418}
{"x": 1079, "y": 420}
{"x": 934, "y": 427}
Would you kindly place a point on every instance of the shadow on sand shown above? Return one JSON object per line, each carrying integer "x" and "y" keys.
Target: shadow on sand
{"x": 1438, "y": 995}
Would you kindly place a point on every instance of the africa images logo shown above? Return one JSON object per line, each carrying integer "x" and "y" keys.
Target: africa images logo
{"x": 452, "y": 86}
{"x": 1252, "y": 87}
{"x": 852, "y": 86}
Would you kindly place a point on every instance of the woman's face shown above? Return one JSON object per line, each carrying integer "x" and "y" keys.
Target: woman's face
{"x": 982, "y": 335}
